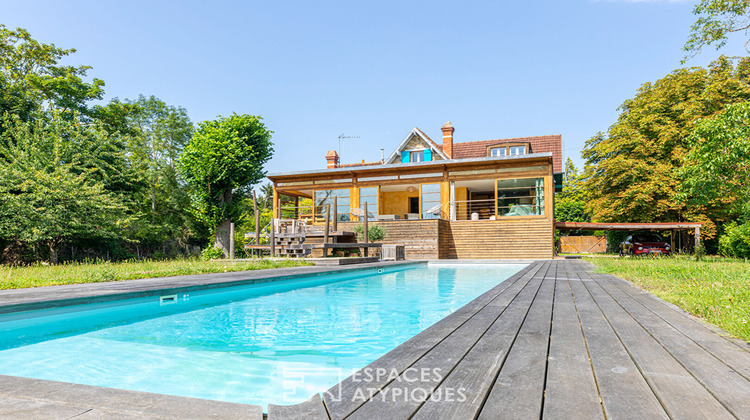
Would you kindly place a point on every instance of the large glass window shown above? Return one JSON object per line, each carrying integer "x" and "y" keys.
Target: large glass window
{"x": 431, "y": 205}
{"x": 520, "y": 197}
{"x": 323, "y": 197}
{"x": 369, "y": 196}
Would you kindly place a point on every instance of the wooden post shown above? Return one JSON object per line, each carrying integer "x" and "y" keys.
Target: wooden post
{"x": 335, "y": 214}
{"x": 671, "y": 240}
{"x": 231, "y": 241}
{"x": 367, "y": 233}
{"x": 296, "y": 207}
{"x": 273, "y": 238}
{"x": 257, "y": 220}
{"x": 325, "y": 232}
{"x": 697, "y": 237}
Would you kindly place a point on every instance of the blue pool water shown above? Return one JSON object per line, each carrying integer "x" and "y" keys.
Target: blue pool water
{"x": 276, "y": 342}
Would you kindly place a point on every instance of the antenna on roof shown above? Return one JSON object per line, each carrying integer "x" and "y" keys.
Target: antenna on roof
{"x": 343, "y": 137}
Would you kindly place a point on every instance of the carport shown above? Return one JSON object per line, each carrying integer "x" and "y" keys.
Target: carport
{"x": 672, "y": 227}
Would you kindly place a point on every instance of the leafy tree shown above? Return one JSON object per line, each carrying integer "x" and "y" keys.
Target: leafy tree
{"x": 631, "y": 169}
{"x": 223, "y": 160}
{"x": 31, "y": 77}
{"x": 716, "y": 20}
{"x": 161, "y": 132}
{"x": 570, "y": 203}
{"x": 53, "y": 174}
{"x": 716, "y": 173}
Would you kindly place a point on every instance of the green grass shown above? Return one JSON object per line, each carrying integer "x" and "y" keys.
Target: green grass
{"x": 715, "y": 289}
{"x": 76, "y": 273}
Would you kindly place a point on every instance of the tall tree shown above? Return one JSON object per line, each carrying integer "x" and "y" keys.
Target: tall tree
{"x": 31, "y": 77}
{"x": 161, "y": 132}
{"x": 223, "y": 160}
{"x": 631, "y": 169}
{"x": 570, "y": 203}
{"x": 716, "y": 173}
{"x": 716, "y": 20}
{"x": 53, "y": 176}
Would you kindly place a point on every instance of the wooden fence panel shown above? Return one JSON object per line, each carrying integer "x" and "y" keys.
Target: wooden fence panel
{"x": 583, "y": 244}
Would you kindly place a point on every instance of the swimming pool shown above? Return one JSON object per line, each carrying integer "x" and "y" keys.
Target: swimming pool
{"x": 276, "y": 342}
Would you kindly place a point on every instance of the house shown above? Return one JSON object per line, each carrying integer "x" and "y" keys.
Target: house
{"x": 475, "y": 199}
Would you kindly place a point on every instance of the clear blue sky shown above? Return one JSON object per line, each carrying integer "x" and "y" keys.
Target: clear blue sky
{"x": 315, "y": 70}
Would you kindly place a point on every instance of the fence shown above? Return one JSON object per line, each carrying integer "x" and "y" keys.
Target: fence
{"x": 583, "y": 244}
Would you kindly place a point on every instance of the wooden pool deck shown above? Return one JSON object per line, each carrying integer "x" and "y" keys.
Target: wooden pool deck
{"x": 556, "y": 341}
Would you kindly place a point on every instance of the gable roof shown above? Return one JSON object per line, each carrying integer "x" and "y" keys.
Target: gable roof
{"x": 418, "y": 133}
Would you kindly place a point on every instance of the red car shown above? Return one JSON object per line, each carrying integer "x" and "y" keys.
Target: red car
{"x": 644, "y": 244}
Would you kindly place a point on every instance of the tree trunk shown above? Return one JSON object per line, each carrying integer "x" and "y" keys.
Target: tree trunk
{"x": 52, "y": 254}
{"x": 222, "y": 231}
{"x": 153, "y": 201}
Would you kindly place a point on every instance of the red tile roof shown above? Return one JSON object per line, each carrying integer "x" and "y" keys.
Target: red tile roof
{"x": 539, "y": 144}
{"x": 347, "y": 165}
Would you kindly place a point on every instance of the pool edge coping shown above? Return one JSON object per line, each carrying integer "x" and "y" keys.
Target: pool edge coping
{"x": 111, "y": 291}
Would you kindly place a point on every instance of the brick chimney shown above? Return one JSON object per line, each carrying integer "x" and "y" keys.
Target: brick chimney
{"x": 333, "y": 159}
{"x": 448, "y": 139}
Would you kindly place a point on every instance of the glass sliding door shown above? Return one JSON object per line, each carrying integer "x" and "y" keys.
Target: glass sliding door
{"x": 323, "y": 197}
{"x": 430, "y": 201}
{"x": 520, "y": 197}
{"x": 370, "y": 196}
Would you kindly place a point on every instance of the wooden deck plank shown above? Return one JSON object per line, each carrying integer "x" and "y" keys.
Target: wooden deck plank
{"x": 571, "y": 390}
{"x": 728, "y": 351}
{"x": 518, "y": 391}
{"x": 681, "y": 395}
{"x": 558, "y": 341}
{"x": 475, "y": 374}
{"x": 340, "y": 399}
{"x": 624, "y": 392}
{"x": 312, "y": 409}
{"x": 723, "y": 382}
{"x": 403, "y": 397}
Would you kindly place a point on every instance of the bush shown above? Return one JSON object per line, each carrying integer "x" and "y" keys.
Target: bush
{"x": 376, "y": 233}
{"x": 735, "y": 242}
{"x": 615, "y": 238}
{"x": 211, "y": 253}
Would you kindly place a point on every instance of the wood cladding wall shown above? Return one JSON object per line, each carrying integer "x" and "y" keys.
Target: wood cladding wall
{"x": 482, "y": 239}
{"x": 497, "y": 239}
{"x": 419, "y": 237}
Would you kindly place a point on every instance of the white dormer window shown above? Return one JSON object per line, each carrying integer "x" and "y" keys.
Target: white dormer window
{"x": 416, "y": 156}
{"x": 498, "y": 151}
{"x": 508, "y": 149}
{"x": 517, "y": 150}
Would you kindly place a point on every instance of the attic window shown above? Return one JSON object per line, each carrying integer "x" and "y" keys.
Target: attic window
{"x": 498, "y": 151}
{"x": 508, "y": 149}
{"x": 408, "y": 156}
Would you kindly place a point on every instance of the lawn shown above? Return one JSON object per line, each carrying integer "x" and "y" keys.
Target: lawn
{"x": 47, "y": 275}
{"x": 715, "y": 289}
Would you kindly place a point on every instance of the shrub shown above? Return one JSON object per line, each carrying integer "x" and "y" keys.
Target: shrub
{"x": 735, "y": 242}
{"x": 615, "y": 238}
{"x": 211, "y": 253}
{"x": 376, "y": 233}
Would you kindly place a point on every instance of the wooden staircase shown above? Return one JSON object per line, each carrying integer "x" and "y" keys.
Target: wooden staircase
{"x": 292, "y": 244}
